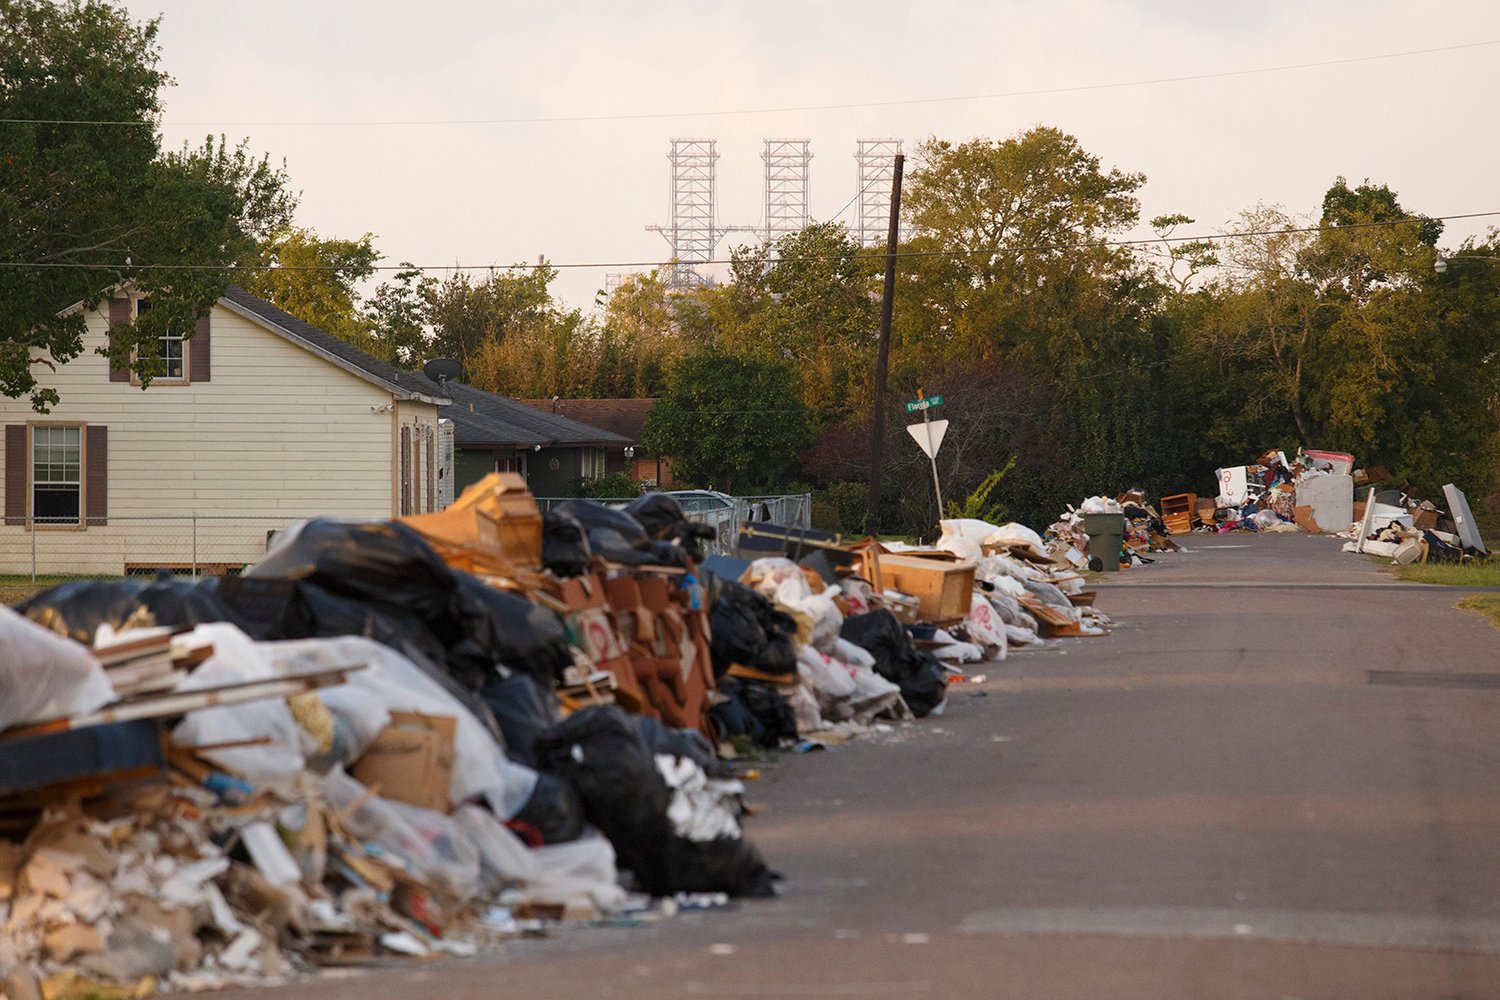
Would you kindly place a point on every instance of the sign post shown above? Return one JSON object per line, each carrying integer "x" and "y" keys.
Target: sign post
{"x": 929, "y": 437}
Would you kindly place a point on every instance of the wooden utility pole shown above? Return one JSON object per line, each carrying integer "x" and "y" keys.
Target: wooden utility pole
{"x": 882, "y": 360}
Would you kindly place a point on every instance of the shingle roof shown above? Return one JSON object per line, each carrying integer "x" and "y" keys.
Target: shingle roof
{"x": 405, "y": 385}
{"x": 486, "y": 420}
{"x": 622, "y": 416}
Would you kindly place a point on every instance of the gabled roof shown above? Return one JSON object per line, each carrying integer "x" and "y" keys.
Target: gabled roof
{"x": 402, "y": 385}
{"x": 622, "y": 416}
{"x": 486, "y": 420}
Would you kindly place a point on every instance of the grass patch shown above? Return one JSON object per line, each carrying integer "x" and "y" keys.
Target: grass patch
{"x": 1483, "y": 604}
{"x": 1472, "y": 573}
{"x": 16, "y": 588}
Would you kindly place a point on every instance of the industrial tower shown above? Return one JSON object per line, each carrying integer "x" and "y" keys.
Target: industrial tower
{"x": 786, "y": 197}
{"x": 692, "y": 231}
{"x": 877, "y": 165}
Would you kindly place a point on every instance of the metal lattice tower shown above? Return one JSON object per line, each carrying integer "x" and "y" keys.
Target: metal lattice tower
{"x": 786, "y": 204}
{"x": 692, "y": 231}
{"x": 876, "y": 159}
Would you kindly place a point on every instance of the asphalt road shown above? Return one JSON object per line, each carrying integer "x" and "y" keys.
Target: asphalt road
{"x": 1214, "y": 801}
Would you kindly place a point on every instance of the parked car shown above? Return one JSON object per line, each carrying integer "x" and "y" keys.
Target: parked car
{"x": 703, "y": 501}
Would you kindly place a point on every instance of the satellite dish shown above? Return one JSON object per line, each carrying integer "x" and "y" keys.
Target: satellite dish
{"x": 442, "y": 370}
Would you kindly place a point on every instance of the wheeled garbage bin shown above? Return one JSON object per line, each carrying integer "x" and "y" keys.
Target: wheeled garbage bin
{"x": 1106, "y": 536}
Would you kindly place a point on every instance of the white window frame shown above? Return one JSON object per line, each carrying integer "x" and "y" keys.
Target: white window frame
{"x": 163, "y": 346}
{"x": 33, "y": 482}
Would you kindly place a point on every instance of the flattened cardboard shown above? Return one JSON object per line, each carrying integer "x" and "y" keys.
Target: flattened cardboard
{"x": 411, "y": 760}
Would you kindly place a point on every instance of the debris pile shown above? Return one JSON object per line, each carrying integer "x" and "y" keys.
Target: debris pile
{"x": 425, "y": 735}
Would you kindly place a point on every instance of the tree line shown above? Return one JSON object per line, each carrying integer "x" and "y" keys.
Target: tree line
{"x": 1069, "y": 359}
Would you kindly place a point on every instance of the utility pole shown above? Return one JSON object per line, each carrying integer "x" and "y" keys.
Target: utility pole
{"x": 882, "y": 360}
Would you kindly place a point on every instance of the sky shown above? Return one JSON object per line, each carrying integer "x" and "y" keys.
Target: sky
{"x": 303, "y": 80}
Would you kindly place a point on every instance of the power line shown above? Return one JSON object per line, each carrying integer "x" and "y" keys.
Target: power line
{"x": 790, "y": 109}
{"x": 621, "y": 265}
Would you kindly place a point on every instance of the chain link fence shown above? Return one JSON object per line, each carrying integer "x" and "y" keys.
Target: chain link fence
{"x": 184, "y": 544}
{"x": 212, "y": 545}
{"x": 792, "y": 510}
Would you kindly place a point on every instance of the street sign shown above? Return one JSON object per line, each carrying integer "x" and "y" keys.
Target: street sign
{"x": 927, "y": 403}
{"x": 929, "y": 436}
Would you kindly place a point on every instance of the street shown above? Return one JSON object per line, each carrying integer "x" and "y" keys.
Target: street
{"x": 1215, "y": 801}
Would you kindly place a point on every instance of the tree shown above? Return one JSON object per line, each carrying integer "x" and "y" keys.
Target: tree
{"x": 730, "y": 422}
{"x": 397, "y": 316}
{"x": 467, "y": 312}
{"x": 639, "y": 340}
{"x": 86, "y": 210}
{"x": 316, "y": 280}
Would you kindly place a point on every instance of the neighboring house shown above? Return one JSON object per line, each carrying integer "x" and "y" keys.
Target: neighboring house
{"x": 493, "y": 433}
{"x": 261, "y": 420}
{"x": 626, "y": 417}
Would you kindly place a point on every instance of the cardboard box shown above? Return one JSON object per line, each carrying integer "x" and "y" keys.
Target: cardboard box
{"x": 411, "y": 760}
{"x": 943, "y": 587}
{"x": 1305, "y": 520}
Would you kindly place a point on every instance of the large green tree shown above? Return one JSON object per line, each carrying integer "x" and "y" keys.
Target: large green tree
{"x": 732, "y": 423}
{"x": 89, "y": 201}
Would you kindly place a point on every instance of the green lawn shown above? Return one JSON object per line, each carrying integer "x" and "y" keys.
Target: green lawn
{"x": 1474, "y": 573}
{"x": 21, "y": 586}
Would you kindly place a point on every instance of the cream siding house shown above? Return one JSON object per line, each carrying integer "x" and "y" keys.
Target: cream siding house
{"x": 262, "y": 420}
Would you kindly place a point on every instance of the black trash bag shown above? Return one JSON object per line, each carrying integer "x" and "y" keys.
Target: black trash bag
{"x": 565, "y": 545}
{"x": 292, "y": 609}
{"x": 552, "y": 815}
{"x": 922, "y": 679}
{"x": 599, "y": 753}
{"x": 687, "y": 743}
{"x": 498, "y": 628}
{"x": 385, "y": 564}
{"x": 524, "y": 709}
{"x": 732, "y": 866}
{"x": 774, "y": 719}
{"x": 746, "y": 628}
{"x": 595, "y": 516}
{"x": 78, "y": 608}
{"x": 732, "y": 717}
{"x": 602, "y": 754}
{"x": 658, "y": 513}
{"x": 663, "y": 518}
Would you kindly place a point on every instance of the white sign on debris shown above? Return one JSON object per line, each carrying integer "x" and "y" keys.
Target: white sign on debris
{"x": 928, "y": 435}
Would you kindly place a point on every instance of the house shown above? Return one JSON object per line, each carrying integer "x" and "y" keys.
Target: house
{"x": 626, "y": 417}
{"x": 493, "y": 433}
{"x": 260, "y": 420}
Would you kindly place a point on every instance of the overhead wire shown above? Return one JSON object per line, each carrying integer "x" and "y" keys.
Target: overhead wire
{"x": 786, "y": 109}
{"x": 907, "y": 254}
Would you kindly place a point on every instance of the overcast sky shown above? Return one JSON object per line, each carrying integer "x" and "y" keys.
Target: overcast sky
{"x": 1426, "y": 125}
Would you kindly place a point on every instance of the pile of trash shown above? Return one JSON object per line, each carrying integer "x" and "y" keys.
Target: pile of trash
{"x": 1315, "y": 492}
{"x": 425, "y": 735}
{"x": 1143, "y": 530}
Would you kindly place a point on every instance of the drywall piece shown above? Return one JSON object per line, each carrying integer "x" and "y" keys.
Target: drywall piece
{"x": 1331, "y": 499}
{"x": 1463, "y": 518}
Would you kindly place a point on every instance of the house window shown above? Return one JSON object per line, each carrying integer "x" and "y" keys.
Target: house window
{"x": 57, "y": 474}
{"x": 171, "y": 347}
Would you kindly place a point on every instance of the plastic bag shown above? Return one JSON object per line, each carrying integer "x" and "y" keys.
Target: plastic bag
{"x": 523, "y": 710}
{"x": 831, "y": 682}
{"x": 663, "y": 518}
{"x": 577, "y": 872}
{"x": 565, "y": 545}
{"x": 425, "y": 843}
{"x": 599, "y": 751}
{"x": 78, "y": 608}
{"x": 480, "y": 767}
{"x": 922, "y": 680}
{"x": 275, "y": 763}
{"x": 747, "y": 629}
{"x": 552, "y": 814}
{"x": 382, "y": 563}
{"x": 503, "y": 628}
{"x": 504, "y": 858}
{"x": 45, "y": 676}
{"x": 984, "y": 626}
{"x": 775, "y": 722}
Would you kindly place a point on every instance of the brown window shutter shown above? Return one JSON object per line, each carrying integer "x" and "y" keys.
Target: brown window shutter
{"x": 405, "y": 471}
{"x": 199, "y": 369}
{"x": 119, "y": 315}
{"x": 16, "y": 473}
{"x": 429, "y": 438}
{"x": 96, "y": 475}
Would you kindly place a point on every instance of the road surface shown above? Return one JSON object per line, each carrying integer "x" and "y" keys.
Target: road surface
{"x": 1218, "y": 800}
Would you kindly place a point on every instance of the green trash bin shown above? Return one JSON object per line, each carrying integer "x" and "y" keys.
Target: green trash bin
{"x": 1106, "y": 537}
